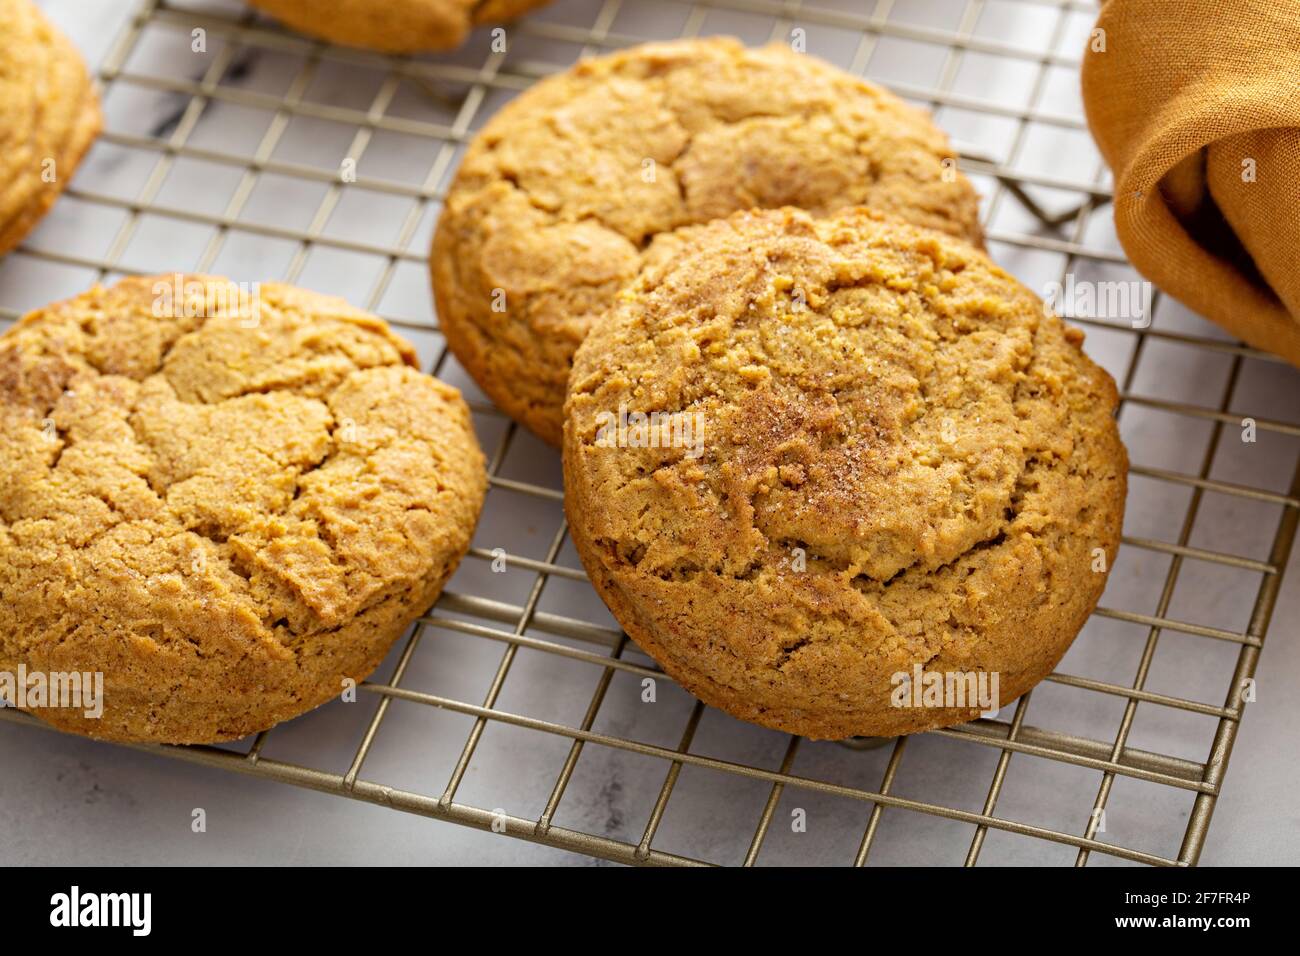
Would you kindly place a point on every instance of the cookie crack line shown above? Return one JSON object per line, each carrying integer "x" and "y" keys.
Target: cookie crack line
{"x": 774, "y": 544}
{"x": 658, "y": 85}
{"x": 642, "y": 242}
{"x": 1011, "y": 518}
{"x": 834, "y": 566}
{"x": 217, "y": 535}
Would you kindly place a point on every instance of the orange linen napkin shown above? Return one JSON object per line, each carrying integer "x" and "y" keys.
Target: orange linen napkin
{"x": 1196, "y": 106}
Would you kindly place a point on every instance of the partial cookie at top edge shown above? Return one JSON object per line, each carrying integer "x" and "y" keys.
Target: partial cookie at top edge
{"x": 49, "y": 116}
{"x": 394, "y": 26}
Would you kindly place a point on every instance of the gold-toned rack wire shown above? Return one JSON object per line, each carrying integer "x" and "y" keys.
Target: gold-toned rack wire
{"x": 596, "y": 645}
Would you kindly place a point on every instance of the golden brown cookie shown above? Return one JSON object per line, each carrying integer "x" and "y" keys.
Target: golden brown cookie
{"x": 49, "y": 115}
{"x": 226, "y": 505}
{"x": 394, "y": 26}
{"x": 873, "y": 451}
{"x": 584, "y": 177}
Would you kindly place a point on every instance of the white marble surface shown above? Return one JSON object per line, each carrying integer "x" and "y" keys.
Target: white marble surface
{"x": 67, "y": 800}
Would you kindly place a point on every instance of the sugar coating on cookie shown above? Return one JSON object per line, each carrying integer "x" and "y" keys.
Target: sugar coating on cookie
{"x": 584, "y": 178}
{"x": 394, "y": 26}
{"x": 227, "y": 500}
{"x": 49, "y": 115}
{"x": 805, "y": 457}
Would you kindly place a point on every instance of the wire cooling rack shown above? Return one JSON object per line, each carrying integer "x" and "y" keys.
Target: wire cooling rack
{"x": 516, "y": 705}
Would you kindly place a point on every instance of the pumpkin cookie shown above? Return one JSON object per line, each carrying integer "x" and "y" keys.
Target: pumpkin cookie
{"x": 49, "y": 115}
{"x": 580, "y": 180}
{"x": 394, "y": 26}
{"x": 226, "y": 505}
{"x": 812, "y": 463}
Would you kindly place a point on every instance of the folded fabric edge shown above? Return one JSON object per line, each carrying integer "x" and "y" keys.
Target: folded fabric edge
{"x": 1162, "y": 251}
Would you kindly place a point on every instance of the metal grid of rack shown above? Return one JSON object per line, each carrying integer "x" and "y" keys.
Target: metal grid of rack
{"x": 439, "y": 102}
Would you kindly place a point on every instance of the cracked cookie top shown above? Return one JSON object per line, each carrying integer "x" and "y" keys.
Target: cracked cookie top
{"x": 49, "y": 114}
{"x": 203, "y": 486}
{"x": 584, "y": 178}
{"x": 805, "y": 454}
